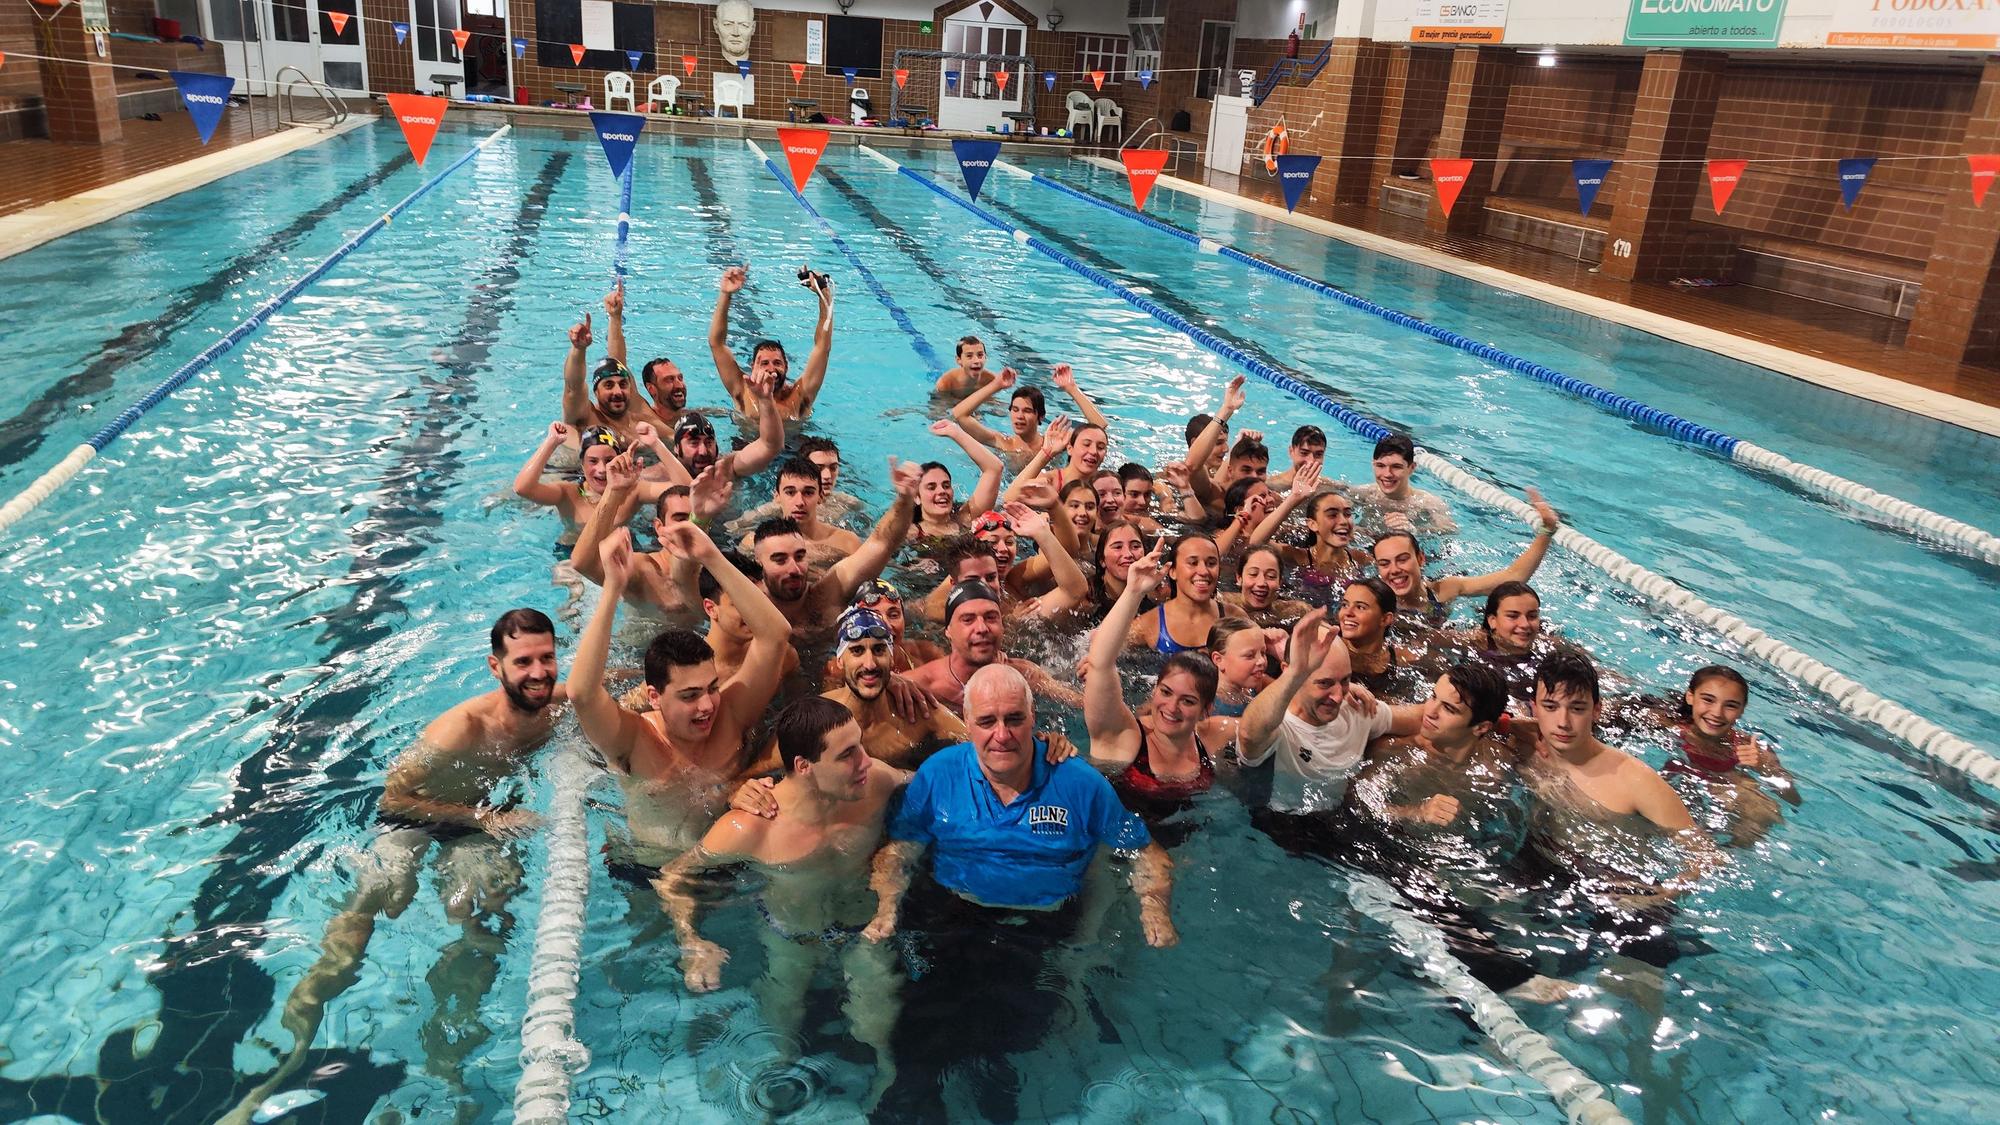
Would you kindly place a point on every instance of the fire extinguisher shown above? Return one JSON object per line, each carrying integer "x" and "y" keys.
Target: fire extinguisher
{"x": 1292, "y": 44}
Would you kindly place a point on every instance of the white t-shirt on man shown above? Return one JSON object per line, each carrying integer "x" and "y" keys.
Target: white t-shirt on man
{"x": 1315, "y": 762}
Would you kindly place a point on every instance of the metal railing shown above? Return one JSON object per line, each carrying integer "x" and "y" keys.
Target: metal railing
{"x": 1174, "y": 147}
{"x": 1288, "y": 68}
{"x": 335, "y": 108}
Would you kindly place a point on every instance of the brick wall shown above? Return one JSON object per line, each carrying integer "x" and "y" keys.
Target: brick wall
{"x": 1582, "y": 108}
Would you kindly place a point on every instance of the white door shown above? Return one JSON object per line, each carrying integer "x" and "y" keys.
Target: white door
{"x": 343, "y": 55}
{"x": 978, "y": 101}
{"x": 291, "y": 35}
{"x": 258, "y": 38}
{"x": 235, "y": 27}
{"x": 1228, "y": 127}
{"x": 432, "y": 46}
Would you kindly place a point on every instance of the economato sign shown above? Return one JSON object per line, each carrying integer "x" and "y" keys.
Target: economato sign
{"x": 1459, "y": 21}
{"x": 1938, "y": 25}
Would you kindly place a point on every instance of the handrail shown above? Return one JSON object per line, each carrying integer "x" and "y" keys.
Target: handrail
{"x": 1288, "y": 67}
{"x": 336, "y": 109}
{"x": 1168, "y": 144}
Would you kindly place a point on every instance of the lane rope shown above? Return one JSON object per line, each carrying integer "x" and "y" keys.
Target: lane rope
{"x": 47, "y": 484}
{"x": 1843, "y": 691}
{"x": 551, "y": 1055}
{"x": 1897, "y": 513}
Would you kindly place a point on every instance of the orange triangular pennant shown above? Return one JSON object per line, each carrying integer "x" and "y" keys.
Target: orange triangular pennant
{"x": 1097, "y": 79}
{"x": 798, "y": 72}
{"x": 460, "y": 36}
{"x": 802, "y": 151}
{"x": 339, "y": 22}
{"x": 3, "y": 58}
{"x": 687, "y": 64}
{"x": 1723, "y": 176}
{"x": 1142, "y": 169}
{"x": 1000, "y": 79}
{"x": 902, "y": 78}
{"x": 419, "y": 115}
{"x": 1449, "y": 176}
{"x": 576, "y": 53}
{"x": 1984, "y": 167}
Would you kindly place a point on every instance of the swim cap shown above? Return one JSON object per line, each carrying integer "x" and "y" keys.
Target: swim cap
{"x": 990, "y": 521}
{"x": 609, "y": 369}
{"x": 875, "y": 591}
{"x": 857, "y": 623}
{"x": 601, "y": 435}
{"x": 692, "y": 423}
{"x": 970, "y": 590}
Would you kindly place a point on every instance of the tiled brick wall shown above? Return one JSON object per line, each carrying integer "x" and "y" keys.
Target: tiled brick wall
{"x": 1581, "y": 108}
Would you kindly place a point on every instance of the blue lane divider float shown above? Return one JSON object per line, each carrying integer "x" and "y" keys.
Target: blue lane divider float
{"x": 1898, "y": 513}
{"x": 1846, "y": 693}
{"x": 624, "y": 220}
{"x": 46, "y": 485}
{"x": 932, "y": 364}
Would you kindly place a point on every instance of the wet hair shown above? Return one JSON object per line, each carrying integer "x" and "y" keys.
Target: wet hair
{"x": 1414, "y": 545}
{"x": 1078, "y": 432}
{"x": 1385, "y": 598}
{"x": 1312, "y": 512}
{"x": 1399, "y": 444}
{"x": 660, "y": 505}
{"x": 1200, "y": 422}
{"x": 1073, "y": 486}
{"x": 1701, "y": 676}
{"x": 1482, "y": 687}
{"x": 1035, "y": 399}
{"x": 812, "y": 445}
{"x": 1200, "y": 667}
{"x": 711, "y": 590}
{"x": 1102, "y": 473}
{"x": 1171, "y": 556}
{"x": 1504, "y": 591}
{"x": 646, "y": 371}
{"x": 1239, "y": 492}
{"x": 1568, "y": 667}
{"x": 965, "y": 342}
{"x": 1133, "y": 470}
{"x": 762, "y": 346}
{"x": 963, "y": 548}
{"x": 1305, "y": 434}
{"x": 774, "y": 527}
{"x": 520, "y": 623}
{"x": 798, "y": 468}
{"x": 1248, "y": 448}
{"x": 924, "y": 470}
{"x": 1098, "y": 594}
{"x": 1225, "y": 628}
{"x": 675, "y": 648}
{"x": 1277, "y": 559}
{"x": 801, "y": 728}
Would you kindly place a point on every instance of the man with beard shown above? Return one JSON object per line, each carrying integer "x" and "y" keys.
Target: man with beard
{"x": 611, "y": 400}
{"x": 767, "y": 357}
{"x": 661, "y": 377}
{"x": 678, "y": 760}
{"x": 782, "y": 550}
{"x": 798, "y": 499}
{"x": 975, "y": 628}
{"x": 865, "y": 650}
{"x": 439, "y": 791}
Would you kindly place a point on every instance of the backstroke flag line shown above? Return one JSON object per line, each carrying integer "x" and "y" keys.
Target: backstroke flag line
{"x": 1142, "y": 170}
{"x": 619, "y": 134}
{"x": 1295, "y": 175}
{"x": 1984, "y": 166}
{"x": 1723, "y": 176}
{"x": 206, "y": 97}
{"x": 1589, "y": 176}
{"x": 975, "y": 159}
{"x": 802, "y": 152}
{"x": 1450, "y": 177}
{"x": 419, "y": 115}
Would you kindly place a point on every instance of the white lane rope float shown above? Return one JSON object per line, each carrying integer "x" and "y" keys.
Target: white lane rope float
{"x": 551, "y": 1055}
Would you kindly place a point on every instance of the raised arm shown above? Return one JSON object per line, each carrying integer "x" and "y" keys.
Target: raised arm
{"x": 1055, "y": 440}
{"x": 750, "y": 689}
{"x": 614, "y": 510}
{"x": 1065, "y": 378}
{"x": 967, "y": 410}
{"x": 1520, "y": 570}
{"x": 891, "y": 531}
{"x": 1072, "y": 588}
{"x": 1305, "y": 482}
{"x": 665, "y": 467}
{"x": 726, "y": 368}
{"x": 1114, "y": 731}
{"x": 814, "y": 374}
{"x": 770, "y": 441}
{"x": 1206, "y": 441}
{"x": 528, "y": 483}
{"x": 987, "y": 492}
{"x": 614, "y": 318}
{"x": 1312, "y": 643}
{"x": 611, "y": 728}
{"x": 576, "y": 395}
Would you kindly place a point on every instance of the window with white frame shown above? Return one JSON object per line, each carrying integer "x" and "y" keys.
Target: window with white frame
{"x": 1102, "y": 52}
{"x": 482, "y": 7}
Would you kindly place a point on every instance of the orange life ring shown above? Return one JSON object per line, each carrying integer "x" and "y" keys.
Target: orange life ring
{"x": 1275, "y": 145}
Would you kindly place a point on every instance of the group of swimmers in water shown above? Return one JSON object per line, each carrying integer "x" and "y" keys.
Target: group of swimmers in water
{"x": 888, "y": 755}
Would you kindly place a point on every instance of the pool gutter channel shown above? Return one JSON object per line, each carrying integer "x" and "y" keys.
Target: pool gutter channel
{"x": 1847, "y": 694}
{"x": 1898, "y": 513}
{"x": 1580, "y": 1097}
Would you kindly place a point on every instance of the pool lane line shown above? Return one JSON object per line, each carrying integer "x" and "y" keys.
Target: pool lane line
{"x": 1846, "y": 693}
{"x": 551, "y": 1055}
{"x": 46, "y": 485}
{"x": 624, "y": 219}
{"x": 933, "y": 366}
{"x": 720, "y": 246}
{"x": 1897, "y": 513}
{"x": 23, "y": 434}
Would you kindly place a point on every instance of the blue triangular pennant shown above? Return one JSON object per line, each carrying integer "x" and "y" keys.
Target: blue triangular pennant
{"x": 1853, "y": 174}
{"x": 975, "y": 159}
{"x": 618, "y": 133}
{"x": 1145, "y": 80}
{"x": 1049, "y": 79}
{"x": 1295, "y": 175}
{"x": 743, "y": 67}
{"x": 951, "y": 80}
{"x": 850, "y": 73}
{"x": 206, "y": 97}
{"x": 633, "y": 58}
{"x": 1589, "y": 176}
{"x": 402, "y": 32}
{"x": 520, "y": 48}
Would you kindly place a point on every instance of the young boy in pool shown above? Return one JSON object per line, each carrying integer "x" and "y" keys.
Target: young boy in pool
{"x": 1396, "y": 504}
{"x": 969, "y": 375}
{"x": 439, "y": 791}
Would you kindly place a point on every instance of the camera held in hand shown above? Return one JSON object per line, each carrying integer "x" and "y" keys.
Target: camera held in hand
{"x": 812, "y": 279}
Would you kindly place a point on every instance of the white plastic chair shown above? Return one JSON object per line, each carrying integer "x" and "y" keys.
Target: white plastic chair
{"x": 729, "y": 92}
{"x": 618, "y": 88}
{"x": 663, "y": 91}
{"x": 1081, "y": 111}
{"x": 1109, "y": 116}
{"x": 859, "y": 106}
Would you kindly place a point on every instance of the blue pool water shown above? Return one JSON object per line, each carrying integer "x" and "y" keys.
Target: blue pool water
{"x": 221, "y": 633}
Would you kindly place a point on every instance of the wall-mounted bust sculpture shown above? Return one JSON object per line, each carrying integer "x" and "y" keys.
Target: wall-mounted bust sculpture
{"x": 735, "y": 23}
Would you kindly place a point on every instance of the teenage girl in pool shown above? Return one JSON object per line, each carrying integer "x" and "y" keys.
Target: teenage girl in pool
{"x": 1260, "y": 579}
{"x": 1399, "y": 561}
{"x": 1726, "y": 760}
{"x": 1330, "y": 557}
{"x": 1510, "y": 628}
{"x": 1367, "y": 610}
{"x": 1181, "y": 623}
{"x": 1118, "y": 547}
{"x": 940, "y": 514}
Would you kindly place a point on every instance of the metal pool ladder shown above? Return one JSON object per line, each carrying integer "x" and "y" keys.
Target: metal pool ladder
{"x": 1174, "y": 147}
{"x": 335, "y": 108}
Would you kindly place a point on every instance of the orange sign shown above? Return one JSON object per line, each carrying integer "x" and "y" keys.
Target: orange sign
{"x": 1142, "y": 169}
{"x": 576, "y": 53}
{"x": 419, "y": 115}
{"x": 687, "y": 64}
{"x": 1457, "y": 34}
{"x": 1723, "y": 176}
{"x": 1984, "y": 167}
{"x": 798, "y": 72}
{"x": 1923, "y": 25}
{"x": 1000, "y": 79}
{"x": 802, "y": 151}
{"x": 339, "y": 22}
{"x": 460, "y": 36}
{"x": 902, "y": 78}
{"x": 1450, "y": 177}
{"x": 1097, "y": 79}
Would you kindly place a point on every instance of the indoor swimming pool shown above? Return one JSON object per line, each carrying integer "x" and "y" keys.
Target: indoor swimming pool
{"x": 222, "y": 631}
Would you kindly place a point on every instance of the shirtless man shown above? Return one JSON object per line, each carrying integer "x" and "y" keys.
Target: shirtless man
{"x": 798, "y": 498}
{"x": 729, "y": 632}
{"x": 658, "y": 582}
{"x": 865, "y": 651}
{"x": 814, "y": 856}
{"x": 611, "y": 399}
{"x": 663, "y": 380}
{"x": 970, "y": 374}
{"x": 767, "y": 357}
{"x": 834, "y": 506}
{"x": 974, "y": 629}
{"x": 809, "y": 603}
{"x": 677, "y": 761}
{"x": 1308, "y": 446}
{"x": 439, "y": 791}
{"x": 1398, "y": 505}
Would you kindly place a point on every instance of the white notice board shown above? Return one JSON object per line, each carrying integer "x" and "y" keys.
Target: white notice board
{"x": 597, "y": 25}
{"x": 815, "y": 42}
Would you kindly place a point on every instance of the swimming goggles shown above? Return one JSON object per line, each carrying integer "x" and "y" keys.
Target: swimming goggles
{"x": 875, "y": 592}
{"x": 601, "y": 435}
{"x": 692, "y": 423}
{"x": 991, "y": 521}
{"x": 609, "y": 369}
{"x": 858, "y": 623}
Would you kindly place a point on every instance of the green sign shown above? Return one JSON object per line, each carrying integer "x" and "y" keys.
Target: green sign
{"x": 924, "y": 28}
{"x": 1704, "y": 23}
